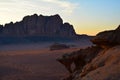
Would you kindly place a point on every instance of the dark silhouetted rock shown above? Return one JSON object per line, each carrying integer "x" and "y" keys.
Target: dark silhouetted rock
{"x": 67, "y": 30}
{"x": 107, "y": 38}
{"x": 1, "y": 29}
{"x": 58, "y": 46}
{"x": 118, "y": 28}
{"x": 35, "y": 25}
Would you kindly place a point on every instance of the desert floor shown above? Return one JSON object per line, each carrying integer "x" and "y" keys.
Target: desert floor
{"x": 32, "y": 64}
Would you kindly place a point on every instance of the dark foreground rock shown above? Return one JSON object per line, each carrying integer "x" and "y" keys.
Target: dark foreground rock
{"x": 107, "y": 38}
{"x": 100, "y": 62}
{"x": 79, "y": 58}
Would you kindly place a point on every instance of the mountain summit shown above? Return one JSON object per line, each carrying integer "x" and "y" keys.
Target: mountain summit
{"x": 35, "y": 25}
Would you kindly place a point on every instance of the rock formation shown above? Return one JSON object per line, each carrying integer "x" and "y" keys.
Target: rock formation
{"x": 105, "y": 66}
{"x": 35, "y": 25}
{"x": 79, "y": 58}
{"x": 1, "y": 28}
{"x": 108, "y": 38}
{"x": 58, "y": 46}
{"x": 100, "y": 62}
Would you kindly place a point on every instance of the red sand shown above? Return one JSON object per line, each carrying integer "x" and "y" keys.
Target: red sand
{"x": 32, "y": 64}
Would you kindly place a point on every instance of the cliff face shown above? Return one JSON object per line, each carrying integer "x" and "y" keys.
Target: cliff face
{"x": 38, "y": 25}
{"x": 105, "y": 66}
{"x": 100, "y": 62}
{"x": 1, "y": 28}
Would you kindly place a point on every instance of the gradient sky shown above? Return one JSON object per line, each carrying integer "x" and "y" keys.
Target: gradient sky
{"x": 87, "y": 16}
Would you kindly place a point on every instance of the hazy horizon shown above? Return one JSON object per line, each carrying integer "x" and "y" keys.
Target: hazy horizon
{"x": 87, "y": 17}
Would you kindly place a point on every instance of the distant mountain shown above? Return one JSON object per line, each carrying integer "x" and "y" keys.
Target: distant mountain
{"x": 35, "y": 25}
{"x": 34, "y": 28}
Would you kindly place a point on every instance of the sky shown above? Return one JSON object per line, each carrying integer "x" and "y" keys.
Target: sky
{"x": 87, "y": 16}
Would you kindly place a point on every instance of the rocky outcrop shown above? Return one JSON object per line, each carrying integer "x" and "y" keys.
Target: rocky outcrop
{"x": 39, "y": 26}
{"x": 79, "y": 58}
{"x": 58, "y": 46}
{"x": 105, "y": 66}
{"x": 100, "y": 62}
{"x": 108, "y": 38}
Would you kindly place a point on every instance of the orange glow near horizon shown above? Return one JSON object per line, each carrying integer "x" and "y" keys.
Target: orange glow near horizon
{"x": 87, "y": 17}
{"x": 93, "y": 30}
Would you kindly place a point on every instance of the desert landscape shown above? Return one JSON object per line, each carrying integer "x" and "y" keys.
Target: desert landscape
{"x": 99, "y": 60}
{"x": 59, "y": 39}
{"x": 28, "y": 50}
{"x": 36, "y": 64}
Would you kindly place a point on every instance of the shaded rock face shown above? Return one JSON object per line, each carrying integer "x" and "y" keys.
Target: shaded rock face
{"x": 1, "y": 28}
{"x": 108, "y": 38}
{"x": 79, "y": 58}
{"x": 100, "y": 62}
{"x": 39, "y": 25}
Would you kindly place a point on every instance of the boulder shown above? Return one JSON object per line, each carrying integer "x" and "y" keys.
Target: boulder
{"x": 58, "y": 46}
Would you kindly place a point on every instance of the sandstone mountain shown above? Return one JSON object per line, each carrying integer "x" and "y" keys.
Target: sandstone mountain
{"x": 35, "y": 25}
{"x": 38, "y": 28}
{"x": 99, "y": 62}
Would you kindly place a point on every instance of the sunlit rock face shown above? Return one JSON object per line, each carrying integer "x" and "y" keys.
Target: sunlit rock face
{"x": 105, "y": 66}
{"x": 100, "y": 62}
{"x": 39, "y": 25}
